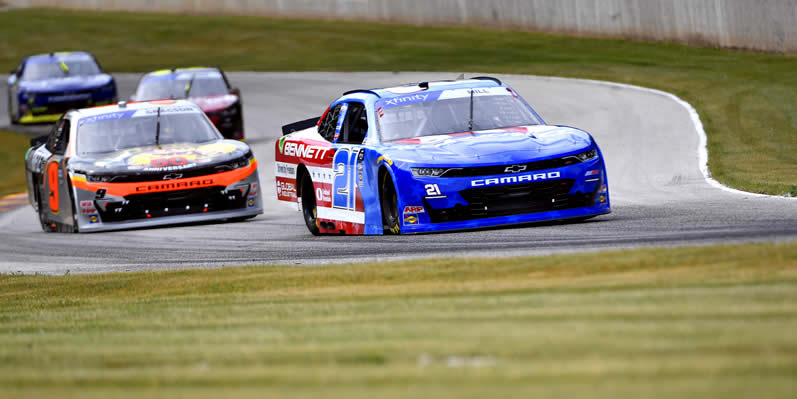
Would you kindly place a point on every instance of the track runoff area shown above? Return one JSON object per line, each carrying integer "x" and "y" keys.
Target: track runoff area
{"x": 651, "y": 141}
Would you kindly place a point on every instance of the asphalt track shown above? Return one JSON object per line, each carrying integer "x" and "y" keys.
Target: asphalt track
{"x": 659, "y": 195}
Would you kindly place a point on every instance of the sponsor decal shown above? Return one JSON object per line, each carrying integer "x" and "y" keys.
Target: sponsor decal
{"x": 179, "y": 157}
{"x": 515, "y": 179}
{"x": 107, "y": 117}
{"x": 301, "y": 150}
{"x": 169, "y": 110}
{"x": 282, "y": 143}
{"x": 602, "y": 199}
{"x": 409, "y": 99}
{"x": 155, "y": 187}
{"x": 341, "y": 117}
{"x": 413, "y": 209}
{"x": 592, "y": 172}
{"x": 251, "y": 202}
{"x": 286, "y": 170}
{"x": 86, "y": 204}
{"x": 68, "y": 97}
{"x": 284, "y": 189}
{"x": 410, "y": 214}
{"x": 94, "y": 219}
{"x": 253, "y": 189}
{"x": 323, "y": 194}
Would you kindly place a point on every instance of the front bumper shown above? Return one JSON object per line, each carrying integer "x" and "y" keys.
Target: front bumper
{"x": 576, "y": 191}
{"x": 100, "y": 210}
{"x": 48, "y": 107}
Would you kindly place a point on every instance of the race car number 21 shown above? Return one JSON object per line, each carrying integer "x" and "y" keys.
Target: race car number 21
{"x": 432, "y": 189}
{"x": 343, "y": 192}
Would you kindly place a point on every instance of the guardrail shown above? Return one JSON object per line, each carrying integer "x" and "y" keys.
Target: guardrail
{"x": 754, "y": 24}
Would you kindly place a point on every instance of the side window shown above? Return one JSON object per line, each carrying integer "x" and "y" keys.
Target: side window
{"x": 356, "y": 124}
{"x": 327, "y": 126}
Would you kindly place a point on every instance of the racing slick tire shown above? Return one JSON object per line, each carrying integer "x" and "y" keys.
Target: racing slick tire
{"x": 389, "y": 201}
{"x": 309, "y": 210}
{"x": 47, "y": 226}
{"x": 11, "y": 112}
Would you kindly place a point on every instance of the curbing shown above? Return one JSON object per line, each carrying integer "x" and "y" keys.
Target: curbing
{"x": 702, "y": 149}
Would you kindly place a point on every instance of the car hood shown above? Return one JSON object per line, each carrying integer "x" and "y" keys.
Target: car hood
{"x": 69, "y": 83}
{"x": 157, "y": 160}
{"x": 506, "y": 145}
{"x": 214, "y": 103}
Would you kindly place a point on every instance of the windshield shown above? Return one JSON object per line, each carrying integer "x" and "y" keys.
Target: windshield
{"x": 60, "y": 69}
{"x": 181, "y": 86}
{"x": 449, "y": 112}
{"x": 130, "y": 129}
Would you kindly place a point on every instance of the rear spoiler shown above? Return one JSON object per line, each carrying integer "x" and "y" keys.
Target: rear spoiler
{"x": 301, "y": 125}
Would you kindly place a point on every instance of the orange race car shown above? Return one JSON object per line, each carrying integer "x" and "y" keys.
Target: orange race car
{"x": 139, "y": 164}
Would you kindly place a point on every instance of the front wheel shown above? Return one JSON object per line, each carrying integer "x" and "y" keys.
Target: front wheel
{"x": 309, "y": 206}
{"x": 47, "y": 226}
{"x": 389, "y": 200}
{"x": 11, "y": 113}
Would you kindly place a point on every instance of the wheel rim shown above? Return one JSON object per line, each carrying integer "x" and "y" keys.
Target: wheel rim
{"x": 308, "y": 204}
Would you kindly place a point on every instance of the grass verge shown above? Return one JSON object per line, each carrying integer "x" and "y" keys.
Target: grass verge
{"x": 746, "y": 99}
{"x": 693, "y": 322}
{"x": 12, "y": 162}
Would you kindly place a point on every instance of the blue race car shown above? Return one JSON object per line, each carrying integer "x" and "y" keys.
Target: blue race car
{"x": 45, "y": 86}
{"x": 436, "y": 156}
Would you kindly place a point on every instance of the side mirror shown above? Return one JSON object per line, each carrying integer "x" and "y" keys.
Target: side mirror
{"x": 37, "y": 141}
{"x": 236, "y": 91}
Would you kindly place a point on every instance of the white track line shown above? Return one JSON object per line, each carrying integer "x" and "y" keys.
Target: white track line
{"x": 702, "y": 151}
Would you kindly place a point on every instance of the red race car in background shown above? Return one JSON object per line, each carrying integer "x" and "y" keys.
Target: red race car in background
{"x": 206, "y": 87}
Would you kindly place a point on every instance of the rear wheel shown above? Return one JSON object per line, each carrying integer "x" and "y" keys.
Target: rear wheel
{"x": 309, "y": 205}
{"x": 389, "y": 200}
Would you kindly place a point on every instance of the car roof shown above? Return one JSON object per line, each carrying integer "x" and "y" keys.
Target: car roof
{"x": 177, "y": 71}
{"x": 133, "y": 106}
{"x": 59, "y": 56}
{"x": 412, "y": 88}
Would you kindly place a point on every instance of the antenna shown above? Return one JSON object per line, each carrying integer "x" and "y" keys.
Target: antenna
{"x": 470, "y": 121}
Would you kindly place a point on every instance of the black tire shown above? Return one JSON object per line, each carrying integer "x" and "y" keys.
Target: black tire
{"x": 74, "y": 228}
{"x": 47, "y": 226}
{"x": 11, "y": 112}
{"x": 389, "y": 201}
{"x": 309, "y": 210}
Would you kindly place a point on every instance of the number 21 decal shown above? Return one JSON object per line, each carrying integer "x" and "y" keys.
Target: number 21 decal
{"x": 432, "y": 189}
{"x": 344, "y": 195}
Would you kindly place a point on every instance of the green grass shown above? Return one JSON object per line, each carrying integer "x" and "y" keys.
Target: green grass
{"x": 746, "y": 99}
{"x": 12, "y": 162}
{"x": 695, "y": 322}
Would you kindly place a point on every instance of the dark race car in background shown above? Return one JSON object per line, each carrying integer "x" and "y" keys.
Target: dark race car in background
{"x": 436, "y": 156}
{"x": 45, "y": 86}
{"x": 206, "y": 87}
{"x": 138, "y": 165}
